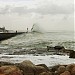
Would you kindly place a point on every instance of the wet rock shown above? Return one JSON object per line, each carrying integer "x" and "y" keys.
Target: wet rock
{"x": 10, "y": 70}
{"x": 59, "y": 47}
{"x": 50, "y": 48}
{"x": 72, "y": 54}
{"x": 65, "y": 73}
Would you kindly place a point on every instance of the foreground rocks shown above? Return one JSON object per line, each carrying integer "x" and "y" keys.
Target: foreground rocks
{"x": 10, "y": 70}
{"x": 28, "y": 68}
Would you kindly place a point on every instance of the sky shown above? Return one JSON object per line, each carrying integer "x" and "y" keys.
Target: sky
{"x": 50, "y": 15}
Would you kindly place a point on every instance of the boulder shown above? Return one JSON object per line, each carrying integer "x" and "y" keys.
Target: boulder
{"x": 65, "y": 73}
{"x": 39, "y": 69}
{"x": 59, "y": 47}
{"x": 45, "y": 73}
{"x": 10, "y": 70}
{"x": 73, "y": 71}
{"x": 27, "y": 67}
{"x": 61, "y": 69}
{"x": 54, "y": 68}
{"x": 5, "y": 63}
{"x": 72, "y": 54}
{"x": 70, "y": 67}
{"x": 43, "y": 65}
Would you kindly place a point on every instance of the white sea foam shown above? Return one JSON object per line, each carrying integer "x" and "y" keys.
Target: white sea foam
{"x": 49, "y": 60}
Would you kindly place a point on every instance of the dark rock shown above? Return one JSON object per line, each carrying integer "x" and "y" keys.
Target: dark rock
{"x": 50, "y": 48}
{"x": 59, "y": 47}
{"x": 72, "y": 54}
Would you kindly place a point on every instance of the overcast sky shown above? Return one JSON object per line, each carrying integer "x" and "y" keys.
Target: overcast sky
{"x": 48, "y": 14}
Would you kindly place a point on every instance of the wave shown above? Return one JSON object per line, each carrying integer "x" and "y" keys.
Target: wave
{"x": 36, "y": 28}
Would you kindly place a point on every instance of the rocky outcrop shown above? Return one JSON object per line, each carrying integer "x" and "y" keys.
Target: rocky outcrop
{"x": 61, "y": 50}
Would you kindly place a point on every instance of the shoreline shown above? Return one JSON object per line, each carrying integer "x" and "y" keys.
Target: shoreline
{"x": 49, "y": 60}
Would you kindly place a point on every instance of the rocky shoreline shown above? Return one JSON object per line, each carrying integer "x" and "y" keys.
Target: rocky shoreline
{"x": 56, "y": 50}
{"x": 28, "y": 68}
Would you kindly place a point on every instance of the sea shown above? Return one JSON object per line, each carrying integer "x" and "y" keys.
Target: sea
{"x": 29, "y": 46}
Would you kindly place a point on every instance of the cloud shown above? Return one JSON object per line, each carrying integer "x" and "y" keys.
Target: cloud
{"x": 13, "y": 0}
{"x": 42, "y": 7}
{"x": 20, "y": 10}
{"x": 54, "y": 9}
{"x": 5, "y": 10}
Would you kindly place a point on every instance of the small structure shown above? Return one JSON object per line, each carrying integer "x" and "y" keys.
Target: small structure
{"x": 6, "y": 34}
{"x": 3, "y": 29}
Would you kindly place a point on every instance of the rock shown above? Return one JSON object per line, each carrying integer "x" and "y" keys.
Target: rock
{"x": 39, "y": 69}
{"x": 65, "y": 73}
{"x": 10, "y": 70}
{"x": 43, "y": 65}
{"x": 70, "y": 67}
{"x": 45, "y": 73}
{"x": 61, "y": 69}
{"x": 5, "y": 63}
{"x": 27, "y": 67}
{"x": 54, "y": 68}
{"x": 59, "y": 47}
{"x": 72, "y": 54}
{"x": 73, "y": 71}
{"x": 50, "y": 48}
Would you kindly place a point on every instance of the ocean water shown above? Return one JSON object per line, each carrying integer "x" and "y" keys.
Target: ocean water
{"x": 27, "y": 42}
{"x": 34, "y": 40}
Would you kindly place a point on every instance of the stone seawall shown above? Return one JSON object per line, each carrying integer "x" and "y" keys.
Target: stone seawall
{"x": 4, "y": 36}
